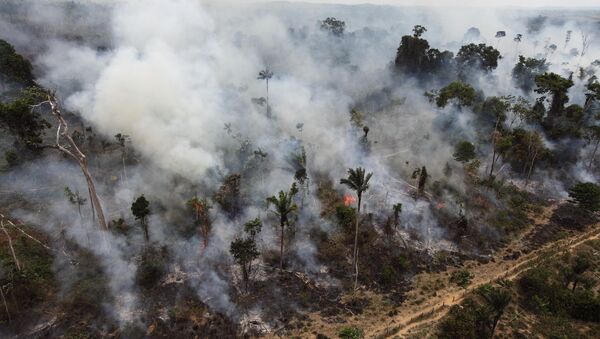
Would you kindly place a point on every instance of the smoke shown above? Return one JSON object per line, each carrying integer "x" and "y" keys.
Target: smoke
{"x": 180, "y": 77}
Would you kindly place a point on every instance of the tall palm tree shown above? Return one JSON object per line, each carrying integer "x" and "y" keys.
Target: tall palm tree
{"x": 357, "y": 181}
{"x": 283, "y": 205}
{"x": 266, "y": 74}
{"x": 496, "y": 299}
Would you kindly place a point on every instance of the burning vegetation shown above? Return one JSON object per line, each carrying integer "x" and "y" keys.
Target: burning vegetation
{"x": 240, "y": 171}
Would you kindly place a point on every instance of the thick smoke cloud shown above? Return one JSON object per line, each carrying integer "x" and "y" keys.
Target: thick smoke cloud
{"x": 173, "y": 74}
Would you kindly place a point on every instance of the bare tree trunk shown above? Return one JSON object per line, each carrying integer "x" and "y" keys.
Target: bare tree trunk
{"x": 12, "y": 249}
{"x": 593, "y": 154}
{"x": 531, "y": 167}
{"x": 5, "y": 305}
{"x": 494, "y": 148}
{"x": 355, "y": 256}
{"x": 281, "y": 246}
{"x": 75, "y": 153}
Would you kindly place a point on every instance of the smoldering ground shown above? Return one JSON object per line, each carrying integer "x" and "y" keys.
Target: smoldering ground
{"x": 179, "y": 78}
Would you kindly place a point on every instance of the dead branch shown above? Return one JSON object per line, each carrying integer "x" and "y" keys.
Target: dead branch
{"x": 12, "y": 249}
{"x": 72, "y": 150}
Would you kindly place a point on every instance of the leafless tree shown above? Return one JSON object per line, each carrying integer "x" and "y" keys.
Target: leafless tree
{"x": 586, "y": 41}
{"x": 65, "y": 144}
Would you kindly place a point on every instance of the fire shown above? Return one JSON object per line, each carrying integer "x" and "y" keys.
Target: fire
{"x": 349, "y": 199}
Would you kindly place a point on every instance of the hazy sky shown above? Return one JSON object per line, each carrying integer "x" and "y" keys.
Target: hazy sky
{"x": 473, "y": 3}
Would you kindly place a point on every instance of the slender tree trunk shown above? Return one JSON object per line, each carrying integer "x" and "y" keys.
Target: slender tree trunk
{"x": 494, "y": 327}
{"x": 123, "y": 160}
{"x": 94, "y": 195}
{"x": 531, "y": 167}
{"x": 281, "y": 246}
{"x": 75, "y": 153}
{"x": 594, "y": 154}
{"x": 494, "y": 148}
{"x": 355, "y": 256}
{"x": 145, "y": 227}
{"x": 10, "y": 244}
{"x": 5, "y": 305}
{"x": 268, "y": 107}
{"x": 575, "y": 284}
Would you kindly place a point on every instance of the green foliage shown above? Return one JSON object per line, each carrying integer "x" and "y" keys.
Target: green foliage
{"x": 14, "y": 66}
{"x": 556, "y": 86}
{"x": 467, "y": 321}
{"x": 545, "y": 292}
{"x": 357, "y": 180}
{"x": 464, "y": 152}
{"x": 253, "y": 227}
{"x": 351, "y": 333}
{"x": 23, "y": 122}
{"x": 586, "y": 195}
{"x": 461, "y": 278}
{"x": 461, "y": 93}
{"x": 415, "y": 57}
{"x": 140, "y": 208}
{"x": 346, "y": 216}
{"x": 74, "y": 198}
{"x": 25, "y": 288}
{"x": 526, "y": 70}
{"x": 478, "y": 56}
{"x": 243, "y": 250}
{"x": 152, "y": 267}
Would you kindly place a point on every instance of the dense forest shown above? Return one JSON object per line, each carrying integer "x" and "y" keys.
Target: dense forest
{"x": 179, "y": 169}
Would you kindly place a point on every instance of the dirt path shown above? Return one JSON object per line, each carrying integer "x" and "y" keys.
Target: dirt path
{"x": 411, "y": 318}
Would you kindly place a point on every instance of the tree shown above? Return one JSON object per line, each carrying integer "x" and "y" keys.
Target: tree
{"x": 25, "y": 124}
{"x": 243, "y": 252}
{"x": 592, "y": 135}
{"x": 464, "y": 152}
{"x": 462, "y": 93}
{"x": 574, "y": 272}
{"x": 527, "y": 147}
{"x": 422, "y": 180}
{"x": 397, "y": 208}
{"x": 415, "y": 57}
{"x": 141, "y": 209}
{"x": 526, "y": 70}
{"x": 75, "y": 199}
{"x": 586, "y": 196}
{"x": 253, "y": 227}
{"x": 357, "y": 181}
{"x": 557, "y": 87}
{"x": 122, "y": 139}
{"x": 333, "y": 26}
{"x": 14, "y": 66}
{"x": 201, "y": 208}
{"x": 283, "y": 206}
{"x": 266, "y": 75}
{"x": 478, "y": 56}
{"x": 500, "y": 145}
{"x": 592, "y": 95}
{"x": 497, "y": 299}
{"x": 71, "y": 149}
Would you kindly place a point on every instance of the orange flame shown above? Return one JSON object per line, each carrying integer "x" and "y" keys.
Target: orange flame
{"x": 349, "y": 199}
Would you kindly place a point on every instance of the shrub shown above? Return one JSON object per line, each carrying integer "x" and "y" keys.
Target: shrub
{"x": 351, "y": 333}
{"x": 461, "y": 278}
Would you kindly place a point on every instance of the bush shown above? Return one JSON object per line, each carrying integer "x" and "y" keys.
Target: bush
{"x": 346, "y": 217}
{"x": 461, "y": 278}
{"x": 152, "y": 267}
{"x": 351, "y": 333}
